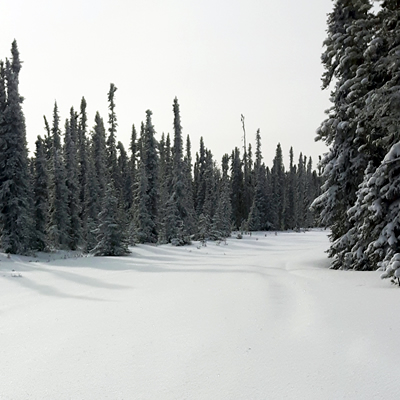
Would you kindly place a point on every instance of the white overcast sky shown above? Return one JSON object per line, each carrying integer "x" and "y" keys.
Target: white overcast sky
{"x": 221, "y": 58}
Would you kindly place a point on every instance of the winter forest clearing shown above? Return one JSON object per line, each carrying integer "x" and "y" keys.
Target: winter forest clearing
{"x": 258, "y": 318}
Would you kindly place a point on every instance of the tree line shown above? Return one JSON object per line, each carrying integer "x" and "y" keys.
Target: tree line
{"x": 360, "y": 199}
{"x": 83, "y": 190}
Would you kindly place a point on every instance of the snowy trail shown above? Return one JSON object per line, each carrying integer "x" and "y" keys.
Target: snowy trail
{"x": 259, "y": 318}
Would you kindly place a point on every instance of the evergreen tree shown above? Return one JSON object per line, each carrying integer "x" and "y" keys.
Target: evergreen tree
{"x": 112, "y": 166}
{"x": 278, "y": 190}
{"x": 72, "y": 183}
{"x": 199, "y": 183}
{"x": 91, "y": 203}
{"x": 151, "y": 167}
{"x": 41, "y": 196}
{"x": 349, "y": 32}
{"x": 143, "y": 225}
{"x": 99, "y": 156}
{"x": 291, "y": 203}
{"x": 132, "y": 165}
{"x": 15, "y": 213}
{"x": 111, "y": 235}
{"x": 223, "y": 213}
{"x": 178, "y": 214}
{"x": 237, "y": 189}
{"x": 58, "y": 228}
{"x": 257, "y": 214}
{"x": 211, "y": 196}
{"x": 145, "y": 218}
{"x": 190, "y": 221}
{"x": 123, "y": 174}
{"x": 165, "y": 175}
{"x": 83, "y": 167}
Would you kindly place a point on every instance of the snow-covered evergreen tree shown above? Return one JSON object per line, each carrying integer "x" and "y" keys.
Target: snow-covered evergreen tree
{"x": 278, "y": 190}
{"x": 146, "y": 197}
{"x": 111, "y": 237}
{"x": 99, "y": 156}
{"x": 83, "y": 170}
{"x": 349, "y": 32}
{"x": 178, "y": 218}
{"x": 58, "y": 227}
{"x": 142, "y": 226}
{"x": 237, "y": 189}
{"x": 112, "y": 166}
{"x": 223, "y": 214}
{"x": 41, "y": 196}
{"x": 72, "y": 181}
{"x": 15, "y": 212}
{"x": 291, "y": 198}
{"x": 165, "y": 188}
{"x": 258, "y": 216}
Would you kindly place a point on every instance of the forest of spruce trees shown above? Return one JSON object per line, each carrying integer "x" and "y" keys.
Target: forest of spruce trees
{"x": 83, "y": 190}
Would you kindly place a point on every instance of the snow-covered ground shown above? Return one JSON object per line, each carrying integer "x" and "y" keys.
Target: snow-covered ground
{"x": 257, "y": 318}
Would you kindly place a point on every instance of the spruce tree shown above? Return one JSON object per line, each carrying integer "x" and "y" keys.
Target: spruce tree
{"x": 83, "y": 167}
{"x": 349, "y": 32}
{"x": 99, "y": 156}
{"x": 72, "y": 182}
{"x": 112, "y": 166}
{"x": 150, "y": 159}
{"x": 15, "y": 212}
{"x": 145, "y": 222}
{"x": 257, "y": 214}
{"x": 237, "y": 189}
{"x": 41, "y": 195}
{"x": 291, "y": 203}
{"x": 223, "y": 213}
{"x": 178, "y": 214}
{"x": 58, "y": 227}
{"x": 278, "y": 190}
{"x": 111, "y": 237}
{"x": 165, "y": 188}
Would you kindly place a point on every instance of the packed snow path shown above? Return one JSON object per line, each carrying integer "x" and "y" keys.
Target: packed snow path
{"x": 258, "y": 318}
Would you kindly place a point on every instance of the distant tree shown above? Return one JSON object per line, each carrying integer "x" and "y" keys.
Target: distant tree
{"x": 178, "y": 214}
{"x": 112, "y": 166}
{"x": 145, "y": 219}
{"x": 257, "y": 214}
{"x": 111, "y": 236}
{"x": 41, "y": 195}
{"x": 83, "y": 169}
{"x": 72, "y": 182}
{"x": 291, "y": 203}
{"x": 99, "y": 156}
{"x": 223, "y": 214}
{"x": 237, "y": 189}
{"x": 278, "y": 189}
{"x": 58, "y": 228}
{"x": 165, "y": 188}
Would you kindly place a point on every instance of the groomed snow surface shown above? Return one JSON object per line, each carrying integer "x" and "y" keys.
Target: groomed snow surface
{"x": 258, "y": 318}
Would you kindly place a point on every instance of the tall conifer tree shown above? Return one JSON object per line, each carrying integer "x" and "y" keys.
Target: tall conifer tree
{"x": 15, "y": 212}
